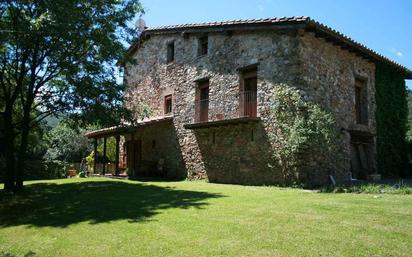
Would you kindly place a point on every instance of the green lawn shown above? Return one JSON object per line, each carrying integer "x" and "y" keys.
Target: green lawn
{"x": 107, "y": 217}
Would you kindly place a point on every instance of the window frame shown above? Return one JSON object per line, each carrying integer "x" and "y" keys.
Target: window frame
{"x": 202, "y": 50}
{"x": 247, "y": 107}
{"x": 361, "y": 101}
{"x": 170, "y": 52}
{"x": 168, "y": 98}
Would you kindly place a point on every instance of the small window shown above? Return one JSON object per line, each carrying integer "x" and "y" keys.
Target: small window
{"x": 203, "y": 45}
{"x": 252, "y": 135}
{"x": 171, "y": 52}
{"x": 168, "y": 104}
{"x": 153, "y": 144}
{"x": 361, "y": 102}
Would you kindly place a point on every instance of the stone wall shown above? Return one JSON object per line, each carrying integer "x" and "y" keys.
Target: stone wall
{"x": 328, "y": 75}
{"x": 150, "y": 78}
{"x": 323, "y": 70}
{"x": 239, "y": 154}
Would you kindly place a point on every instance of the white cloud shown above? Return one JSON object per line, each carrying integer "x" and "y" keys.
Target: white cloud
{"x": 396, "y": 52}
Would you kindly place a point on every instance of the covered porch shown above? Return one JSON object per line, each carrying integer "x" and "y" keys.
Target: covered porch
{"x": 128, "y": 148}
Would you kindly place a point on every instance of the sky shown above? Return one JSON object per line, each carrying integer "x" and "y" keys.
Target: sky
{"x": 384, "y": 26}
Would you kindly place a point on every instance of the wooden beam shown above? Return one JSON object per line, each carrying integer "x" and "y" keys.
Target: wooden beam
{"x": 95, "y": 155}
{"x": 104, "y": 155}
{"x": 117, "y": 154}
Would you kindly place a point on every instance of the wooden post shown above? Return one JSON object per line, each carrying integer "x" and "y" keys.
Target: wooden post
{"x": 95, "y": 156}
{"x": 117, "y": 154}
{"x": 104, "y": 155}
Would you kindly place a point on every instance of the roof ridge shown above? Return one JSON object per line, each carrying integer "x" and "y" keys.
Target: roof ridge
{"x": 231, "y": 22}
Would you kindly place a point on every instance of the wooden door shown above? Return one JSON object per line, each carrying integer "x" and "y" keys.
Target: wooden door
{"x": 361, "y": 156}
{"x": 137, "y": 154}
{"x": 134, "y": 153}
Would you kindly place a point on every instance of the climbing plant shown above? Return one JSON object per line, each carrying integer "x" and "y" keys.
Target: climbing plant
{"x": 391, "y": 119}
{"x": 299, "y": 126}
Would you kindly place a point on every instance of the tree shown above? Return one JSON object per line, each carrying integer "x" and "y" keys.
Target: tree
{"x": 58, "y": 56}
{"x": 67, "y": 143}
{"x": 299, "y": 126}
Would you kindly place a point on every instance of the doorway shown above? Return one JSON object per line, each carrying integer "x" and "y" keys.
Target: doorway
{"x": 362, "y": 155}
{"x": 134, "y": 155}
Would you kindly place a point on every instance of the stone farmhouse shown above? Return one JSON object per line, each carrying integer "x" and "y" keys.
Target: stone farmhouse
{"x": 202, "y": 95}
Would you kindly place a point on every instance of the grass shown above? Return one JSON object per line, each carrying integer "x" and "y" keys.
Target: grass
{"x": 400, "y": 187}
{"x": 106, "y": 217}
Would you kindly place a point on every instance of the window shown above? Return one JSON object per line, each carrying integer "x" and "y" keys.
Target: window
{"x": 202, "y": 101}
{"x": 168, "y": 104}
{"x": 361, "y": 102}
{"x": 248, "y": 93}
{"x": 171, "y": 52}
{"x": 203, "y": 46}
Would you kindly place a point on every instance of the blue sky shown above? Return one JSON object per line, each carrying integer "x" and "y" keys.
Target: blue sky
{"x": 384, "y": 26}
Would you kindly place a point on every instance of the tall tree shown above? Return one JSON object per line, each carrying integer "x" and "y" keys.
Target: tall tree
{"x": 57, "y": 56}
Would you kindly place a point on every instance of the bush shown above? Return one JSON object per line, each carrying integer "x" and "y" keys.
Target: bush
{"x": 370, "y": 188}
{"x": 39, "y": 169}
{"x": 299, "y": 126}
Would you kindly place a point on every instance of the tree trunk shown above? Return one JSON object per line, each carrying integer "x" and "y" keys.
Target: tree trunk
{"x": 22, "y": 154}
{"x": 9, "y": 137}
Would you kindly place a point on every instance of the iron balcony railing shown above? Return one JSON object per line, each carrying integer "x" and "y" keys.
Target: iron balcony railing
{"x": 222, "y": 107}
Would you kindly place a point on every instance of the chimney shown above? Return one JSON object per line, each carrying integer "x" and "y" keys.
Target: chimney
{"x": 140, "y": 25}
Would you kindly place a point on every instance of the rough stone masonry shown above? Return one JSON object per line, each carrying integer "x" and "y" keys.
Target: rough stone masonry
{"x": 228, "y": 147}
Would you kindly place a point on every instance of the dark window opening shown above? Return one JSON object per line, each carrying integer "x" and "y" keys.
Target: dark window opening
{"x": 203, "y": 45}
{"x": 248, "y": 93}
{"x": 252, "y": 135}
{"x": 153, "y": 144}
{"x": 171, "y": 52}
{"x": 202, "y": 101}
{"x": 214, "y": 137}
{"x": 361, "y": 102}
{"x": 168, "y": 104}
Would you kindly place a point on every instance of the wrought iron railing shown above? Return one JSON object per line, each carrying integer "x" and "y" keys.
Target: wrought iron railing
{"x": 223, "y": 107}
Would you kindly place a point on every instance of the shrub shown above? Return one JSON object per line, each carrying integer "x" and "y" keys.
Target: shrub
{"x": 299, "y": 126}
{"x": 370, "y": 188}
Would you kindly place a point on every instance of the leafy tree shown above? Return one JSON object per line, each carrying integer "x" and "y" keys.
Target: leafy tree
{"x": 67, "y": 143}
{"x": 299, "y": 126}
{"x": 58, "y": 56}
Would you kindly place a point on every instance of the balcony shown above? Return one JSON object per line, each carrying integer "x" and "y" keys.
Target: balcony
{"x": 224, "y": 109}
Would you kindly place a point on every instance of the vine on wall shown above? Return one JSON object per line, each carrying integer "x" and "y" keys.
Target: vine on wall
{"x": 391, "y": 120}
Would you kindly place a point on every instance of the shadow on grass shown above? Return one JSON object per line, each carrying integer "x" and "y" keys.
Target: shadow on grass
{"x": 60, "y": 205}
